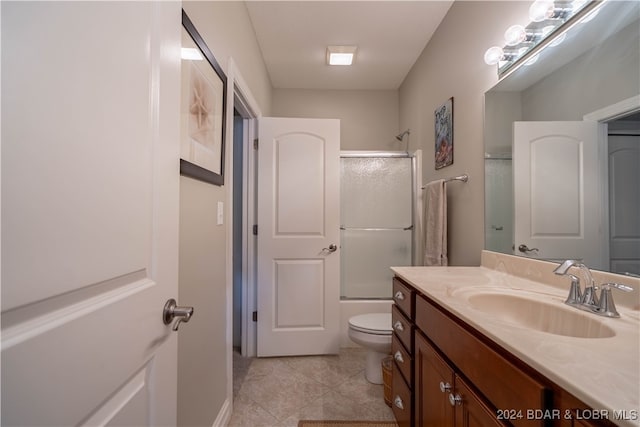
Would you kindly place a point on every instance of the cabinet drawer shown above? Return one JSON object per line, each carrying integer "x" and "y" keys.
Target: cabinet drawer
{"x": 401, "y": 401}
{"x": 402, "y": 328}
{"x": 402, "y": 359}
{"x": 505, "y": 385}
{"x": 404, "y": 298}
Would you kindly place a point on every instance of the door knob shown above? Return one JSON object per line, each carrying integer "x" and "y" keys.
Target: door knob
{"x": 172, "y": 311}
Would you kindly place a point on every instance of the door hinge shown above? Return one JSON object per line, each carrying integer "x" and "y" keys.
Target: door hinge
{"x": 255, "y": 144}
{"x": 255, "y": 316}
{"x": 255, "y": 230}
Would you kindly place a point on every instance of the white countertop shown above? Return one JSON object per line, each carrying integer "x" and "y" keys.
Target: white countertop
{"x": 602, "y": 372}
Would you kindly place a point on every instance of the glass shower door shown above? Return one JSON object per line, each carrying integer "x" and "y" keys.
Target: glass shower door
{"x": 376, "y": 223}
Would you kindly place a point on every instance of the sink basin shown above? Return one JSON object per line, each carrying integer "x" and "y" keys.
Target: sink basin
{"x": 541, "y": 316}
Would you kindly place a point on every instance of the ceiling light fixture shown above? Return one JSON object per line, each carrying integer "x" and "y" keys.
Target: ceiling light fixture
{"x": 341, "y": 55}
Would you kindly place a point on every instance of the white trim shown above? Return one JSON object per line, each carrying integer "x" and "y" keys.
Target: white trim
{"x": 238, "y": 89}
{"x": 224, "y": 416}
{"x": 615, "y": 111}
{"x": 242, "y": 92}
{"x": 604, "y": 115}
{"x": 603, "y": 180}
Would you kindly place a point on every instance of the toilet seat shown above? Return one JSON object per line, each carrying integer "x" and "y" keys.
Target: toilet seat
{"x": 372, "y": 323}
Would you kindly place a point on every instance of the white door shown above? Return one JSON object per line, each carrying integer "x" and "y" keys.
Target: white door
{"x": 298, "y": 222}
{"x": 558, "y": 192}
{"x": 89, "y": 212}
{"x": 624, "y": 194}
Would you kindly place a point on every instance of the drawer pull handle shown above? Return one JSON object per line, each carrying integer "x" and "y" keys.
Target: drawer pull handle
{"x": 455, "y": 400}
{"x": 399, "y": 296}
{"x": 398, "y": 357}
{"x": 398, "y": 326}
{"x": 445, "y": 387}
{"x": 398, "y": 402}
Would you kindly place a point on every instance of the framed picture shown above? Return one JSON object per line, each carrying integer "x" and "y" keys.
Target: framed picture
{"x": 202, "y": 109}
{"x": 444, "y": 134}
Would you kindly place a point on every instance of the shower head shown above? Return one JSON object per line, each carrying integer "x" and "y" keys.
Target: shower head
{"x": 400, "y": 136}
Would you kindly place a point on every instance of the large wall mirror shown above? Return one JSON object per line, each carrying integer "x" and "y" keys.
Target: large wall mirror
{"x": 562, "y": 148}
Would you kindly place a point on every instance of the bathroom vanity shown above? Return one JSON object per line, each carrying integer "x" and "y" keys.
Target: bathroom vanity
{"x": 478, "y": 346}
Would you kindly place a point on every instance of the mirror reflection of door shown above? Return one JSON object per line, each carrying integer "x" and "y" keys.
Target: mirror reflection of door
{"x": 624, "y": 195}
{"x": 558, "y": 191}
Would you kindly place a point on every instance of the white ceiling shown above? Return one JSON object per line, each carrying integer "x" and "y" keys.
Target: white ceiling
{"x": 390, "y": 35}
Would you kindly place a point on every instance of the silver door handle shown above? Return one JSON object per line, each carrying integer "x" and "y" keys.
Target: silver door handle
{"x": 525, "y": 249}
{"x": 332, "y": 248}
{"x": 172, "y": 310}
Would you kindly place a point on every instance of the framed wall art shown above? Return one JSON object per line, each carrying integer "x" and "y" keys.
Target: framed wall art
{"x": 444, "y": 134}
{"x": 202, "y": 109}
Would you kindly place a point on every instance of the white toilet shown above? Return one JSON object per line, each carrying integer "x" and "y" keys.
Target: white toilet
{"x": 372, "y": 331}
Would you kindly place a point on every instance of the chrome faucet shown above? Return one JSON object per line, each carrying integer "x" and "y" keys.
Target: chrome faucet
{"x": 588, "y": 300}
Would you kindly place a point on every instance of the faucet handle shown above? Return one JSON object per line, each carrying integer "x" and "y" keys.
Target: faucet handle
{"x": 619, "y": 286}
{"x": 575, "y": 294}
{"x": 607, "y": 307}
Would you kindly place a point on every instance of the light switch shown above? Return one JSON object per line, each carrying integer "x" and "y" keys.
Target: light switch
{"x": 220, "y": 213}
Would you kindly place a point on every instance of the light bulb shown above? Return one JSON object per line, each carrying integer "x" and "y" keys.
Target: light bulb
{"x": 514, "y": 35}
{"x": 541, "y": 10}
{"x": 493, "y": 55}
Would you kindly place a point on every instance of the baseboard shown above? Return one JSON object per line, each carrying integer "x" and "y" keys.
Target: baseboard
{"x": 224, "y": 416}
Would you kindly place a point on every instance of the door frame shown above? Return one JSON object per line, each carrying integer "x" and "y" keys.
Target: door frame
{"x": 240, "y": 97}
{"x": 604, "y": 115}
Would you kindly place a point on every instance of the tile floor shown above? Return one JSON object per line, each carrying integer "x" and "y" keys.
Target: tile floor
{"x": 277, "y": 392}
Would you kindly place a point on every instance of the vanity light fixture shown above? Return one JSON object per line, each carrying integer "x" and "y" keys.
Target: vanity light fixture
{"x": 550, "y": 22}
{"x": 341, "y": 55}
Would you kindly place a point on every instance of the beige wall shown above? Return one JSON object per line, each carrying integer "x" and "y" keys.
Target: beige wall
{"x": 452, "y": 65}
{"x": 203, "y": 345}
{"x": 610, "y": 71}
{"x": 368, "y": 119}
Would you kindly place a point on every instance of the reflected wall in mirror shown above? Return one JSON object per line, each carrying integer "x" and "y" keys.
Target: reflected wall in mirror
{"x": 562, "y": 148}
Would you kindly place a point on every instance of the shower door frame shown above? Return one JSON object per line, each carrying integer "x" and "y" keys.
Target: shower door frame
{"x": 416, "y": 160}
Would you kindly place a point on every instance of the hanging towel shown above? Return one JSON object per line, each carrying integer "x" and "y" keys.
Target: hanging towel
{"x": 435, "y": 223}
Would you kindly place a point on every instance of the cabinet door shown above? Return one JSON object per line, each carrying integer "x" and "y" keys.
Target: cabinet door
{"x": 470, "y": 410}
{"x": 433, "y": 383}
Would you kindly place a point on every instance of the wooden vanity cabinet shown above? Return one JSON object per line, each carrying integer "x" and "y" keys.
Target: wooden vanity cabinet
{"x": 403, "y": 324}
{"x": 568, "y": 404}
{"x": 461, "y": 378}
{"x": 443, "y": 398}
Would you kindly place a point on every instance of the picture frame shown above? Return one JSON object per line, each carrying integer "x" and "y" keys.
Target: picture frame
{"x": 202, "y": 109}
{"x": 444, "y": 134}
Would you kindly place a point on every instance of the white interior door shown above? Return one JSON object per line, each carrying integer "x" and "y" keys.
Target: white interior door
{"x": 89, "y": 212}
{"x": 298, "y": 216}
{"x": 558, "y": 192}
{"x": 624, "y": 194}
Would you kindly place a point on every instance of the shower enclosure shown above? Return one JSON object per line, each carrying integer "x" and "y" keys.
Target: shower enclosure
{"x": 377, "y": 206}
